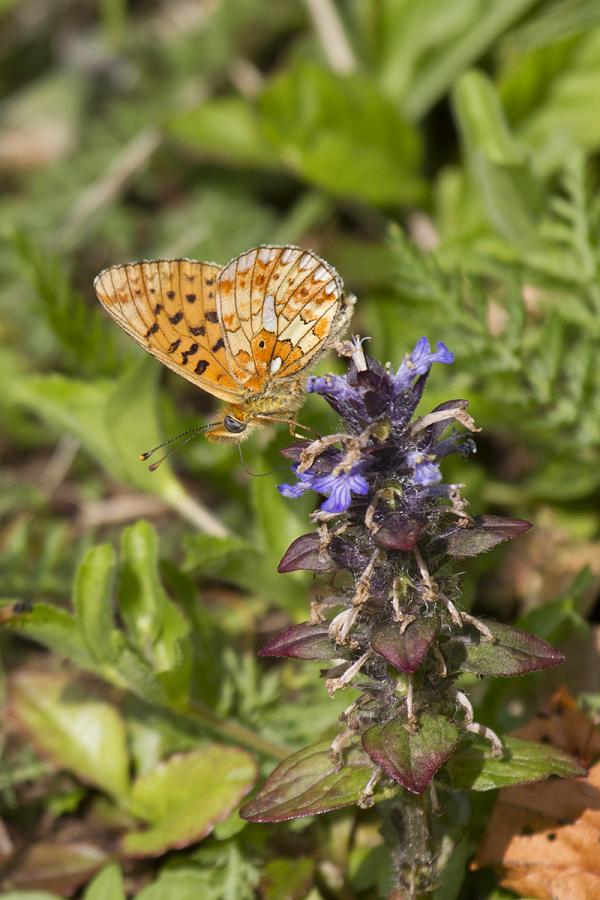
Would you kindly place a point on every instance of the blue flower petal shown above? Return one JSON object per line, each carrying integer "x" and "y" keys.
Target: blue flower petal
{"x": 419, "y": 362}
{"x": 340, "y": 498}
{"x": 427, "y": 473}
{"x": 443, "y": 355}
{"x": 291, "y": 491}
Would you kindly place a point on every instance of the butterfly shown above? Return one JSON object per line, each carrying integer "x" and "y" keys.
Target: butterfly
{"x": 245, "y": 332}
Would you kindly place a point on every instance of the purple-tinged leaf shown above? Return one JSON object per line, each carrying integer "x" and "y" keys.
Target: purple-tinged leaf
{"x": 294, "y": 451}
{"x": 473, "y": 766}
{"x": 514, "y": 652}
{"x": 399, "y": 532}
{"x": 309, "y": 783}
{"x": 405, "y": 651}
{"x": 306, "y": 553}
{"x": 486, "y": 532}
{"x": 59, "y": 864}
{"x": 348, "y": 555}
{"x": 302, "y": 642}
{"x": 411, "y": 759}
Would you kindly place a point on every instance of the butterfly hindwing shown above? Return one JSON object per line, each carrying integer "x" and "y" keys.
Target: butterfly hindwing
{"x": 279, "y": 307}
{"x": 169, "y": 307}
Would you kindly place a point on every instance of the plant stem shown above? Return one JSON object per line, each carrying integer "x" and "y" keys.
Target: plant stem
{"x": 193, "y": 511}
{"x": 233, "y": 731}
{"x": 407, "y": 834}
{"x": 332, "y": 36}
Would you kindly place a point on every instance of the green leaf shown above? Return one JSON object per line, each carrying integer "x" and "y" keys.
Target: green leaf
{"x": 93, "y": 602}
{"x": 411, "y": 758}
{"x": 131, "y": 421}
{"x": 497, "y": 162}
{"x": 122, "y": 665}
{"x": 559, "y": 619}
{"x": 186, "y": 796}
{"x": 114, "y": 422}
{"x": 74, "y": 406}
{"x": 513, "y": 652}
{"x": 451, "y": 836}
{"x": 55, "y": 629}
{"x": 253, "y": 562}
{"x": 181, "y": 883}
{"x": 442, "y": 68}
{"x": 278, "y": 522}
{"x": 155, "y": 624}
{"x": 309, "y": 783}
{"x": 204, "y": 550}
{"x": 483, "y": 534}
{"x": 132, "y": 672}
{"x": 81, "y": 733}
{"x": 342, "y": 134}
{"x": 226, "y": 128}
{"x": 78, "y": 330}
{"x": 473, "y": 767}
{"x": 107, "y": 885}
{"x": 552, "y": 24}
{"x": 559, "y": 123}
{"x": 287, "y": 879}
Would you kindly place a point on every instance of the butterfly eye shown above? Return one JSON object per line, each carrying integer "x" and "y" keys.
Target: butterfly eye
{"x": 233, "y": 425}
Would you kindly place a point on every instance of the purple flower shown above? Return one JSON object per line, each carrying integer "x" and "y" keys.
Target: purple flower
{"x": 419, "y": 361}
{"x": 376, "y": 406}
{"x": 426, "y": 472}
{"x": 337, "y": 488}
{"x": 342, "y": 395}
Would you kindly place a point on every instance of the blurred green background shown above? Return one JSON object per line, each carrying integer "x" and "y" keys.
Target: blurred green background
{"x": 442, "y": 154}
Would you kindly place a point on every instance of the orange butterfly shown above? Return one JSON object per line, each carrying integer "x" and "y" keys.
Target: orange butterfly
{"x": 245, "y": 333}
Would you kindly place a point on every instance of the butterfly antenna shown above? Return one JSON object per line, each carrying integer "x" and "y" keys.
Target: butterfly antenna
{"x": 182, "y": 439}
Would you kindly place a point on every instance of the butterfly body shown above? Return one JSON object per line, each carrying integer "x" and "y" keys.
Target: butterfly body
{"x": 245, "y": 332}
{"x": 278, "y": 402}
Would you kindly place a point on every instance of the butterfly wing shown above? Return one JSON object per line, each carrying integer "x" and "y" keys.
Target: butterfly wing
{"x": 280, "y": 307}
{"x": 169, "y": 307}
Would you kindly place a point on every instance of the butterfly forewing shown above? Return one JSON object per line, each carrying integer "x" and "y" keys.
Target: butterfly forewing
{"x": 278, "y": 306}
{"x": 170, "y": 308}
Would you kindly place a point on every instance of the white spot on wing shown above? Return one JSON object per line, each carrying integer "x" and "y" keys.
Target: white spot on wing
{"x": 269, "y": 318}
{"x": 321, "y": 274}
{"x": 266, "y": 254}
{"x": 275, "y": 365}
{"x": 287, "y": 255}
{"x": 246, "y": 261}
{"x": 330, "y": 287}
{"x": 228, "y": 273}
{"x": 305, "y": 262}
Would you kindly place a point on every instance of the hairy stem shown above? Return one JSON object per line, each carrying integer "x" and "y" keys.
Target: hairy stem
{"x": 407, "y": 834}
